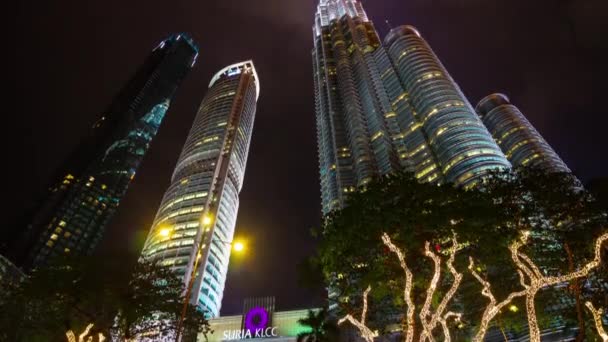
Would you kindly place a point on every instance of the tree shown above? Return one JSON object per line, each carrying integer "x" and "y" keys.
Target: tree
{"x": 554, "y": 208}
{"x": 322, "y": 327}
{"x": 71, "y": 295}
{"x": 532, "y": 280}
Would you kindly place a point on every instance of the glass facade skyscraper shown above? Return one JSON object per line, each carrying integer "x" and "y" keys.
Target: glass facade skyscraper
{"x": 518, "y": 139}
{"x": 201, "y": 204}
{"x": 382, "y": 107}
{"x": 72, "y": 216}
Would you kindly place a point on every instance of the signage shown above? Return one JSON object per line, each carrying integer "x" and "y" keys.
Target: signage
{"x": 256, "y": 326}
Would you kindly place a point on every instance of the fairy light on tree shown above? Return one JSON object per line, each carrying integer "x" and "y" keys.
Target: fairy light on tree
{"x": 429, "y": 319}
{"x": 493, "y": 308}
{"x": 367, "y": 334}
{"x": 84, "y": 337}
{"x": 531, "y": 279}
{"x": 597, "y": 318}
{"x": 407, "y": 291}
{"x": 537, "y": 281}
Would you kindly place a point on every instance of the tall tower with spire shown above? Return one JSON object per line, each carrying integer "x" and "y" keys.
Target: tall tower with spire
{"x": 72, "y": 215}
{"x": 384, "y": 107}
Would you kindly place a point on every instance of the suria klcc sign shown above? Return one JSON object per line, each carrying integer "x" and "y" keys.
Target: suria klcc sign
{"x": 256, "y": 326}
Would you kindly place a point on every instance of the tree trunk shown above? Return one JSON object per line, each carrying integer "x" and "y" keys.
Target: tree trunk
{"x": 580, "y": 337}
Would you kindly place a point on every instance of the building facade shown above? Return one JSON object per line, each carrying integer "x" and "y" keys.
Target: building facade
{"x": 388, "y": 106}
{"x": 259, "y": 321}
{"x": 200, "y": 206}
{"x": 518, "y": 139}
{"x": 72, "y": 216}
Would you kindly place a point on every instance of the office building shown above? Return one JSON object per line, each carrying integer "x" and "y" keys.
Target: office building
{"x": 200, "y": 206}
{"x": 518, "y": 139}
{"x": 73, "y": 214}
{"x": 387, "y": 106}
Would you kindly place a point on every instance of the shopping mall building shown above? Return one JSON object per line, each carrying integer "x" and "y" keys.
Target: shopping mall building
{"x": 258, "y": 321}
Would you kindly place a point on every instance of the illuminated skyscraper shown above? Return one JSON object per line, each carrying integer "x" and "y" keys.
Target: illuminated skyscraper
{"x": 200, "y": 206}
{"x": 72, "y": 216}
{"x": 382, "y": 108}
{"x": 518, "y": 139}
{"x": 461, "y": 145}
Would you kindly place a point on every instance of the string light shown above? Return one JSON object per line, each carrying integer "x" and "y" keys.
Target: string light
{"x": 449, "y": 295}
{"x": 531, "y": 279}
{"x": 407, "y": 292}
{"x": 85, "y": 332}
{"x": 428, "y": 324}
{"x": 492, "y": 309}
{"x": 70, "y": 335}
{"x": 537, "y": 281}
{"x": 597, "y": 318}
{"x": 81, "y": 338}
{"x": 425, "y": 311}
{"x": 366, "y": 332}
{"x": 444, "y": 324}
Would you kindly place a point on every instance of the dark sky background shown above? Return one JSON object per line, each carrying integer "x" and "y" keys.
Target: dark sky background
{"x": 69, "y": 58}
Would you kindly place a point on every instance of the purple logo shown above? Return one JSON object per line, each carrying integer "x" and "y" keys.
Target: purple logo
{"x": 256, "y": 318}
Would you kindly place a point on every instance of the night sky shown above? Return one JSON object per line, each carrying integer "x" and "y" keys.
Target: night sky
{"x": 69, "y": 58}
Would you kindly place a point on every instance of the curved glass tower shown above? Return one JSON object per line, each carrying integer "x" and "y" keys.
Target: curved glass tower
{"x": 72, "y": 216}
{"x": 358, "y": 134}
{"x": 382, "y": 108}
{"x": 462, "y": 146}
{"x": 518, "y": 139}
{"x": 200, "y": 205}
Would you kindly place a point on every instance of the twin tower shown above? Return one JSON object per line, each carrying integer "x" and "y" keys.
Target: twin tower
{"x": 381, "y": 107}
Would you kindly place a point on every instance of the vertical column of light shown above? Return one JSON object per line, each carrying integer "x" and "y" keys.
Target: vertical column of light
{"x": 357, "y": 134}
{"x": 462, "y": 145}
{"x": 518, "y": 139}
{"x": 334, "y": 148}
{"x": 410, "y": 141}
{"x": 325, "y": 146}
{"x": 383, "y": 78}
{"x": 362, "y": 42}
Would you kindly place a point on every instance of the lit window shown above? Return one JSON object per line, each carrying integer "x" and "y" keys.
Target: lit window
{"x": 54, "y": 237}
{"x": 50, "y": 243}
{"x": 62, "y": 224}
{"x": 67, "y": 250}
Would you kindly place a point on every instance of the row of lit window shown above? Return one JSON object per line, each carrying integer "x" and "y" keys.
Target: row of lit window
{"x": 518, "y": 145}
{"x": 468, "y": 154}
{"x": 182, "y": 212}
{"x": 185, "y": 198}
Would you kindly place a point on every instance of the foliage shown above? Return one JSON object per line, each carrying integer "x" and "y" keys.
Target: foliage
{"x": 553, "y": 207}
{"x": 145, "y": 303}
{"x": 322, "y": 327}
{"x": 532, "y": 280}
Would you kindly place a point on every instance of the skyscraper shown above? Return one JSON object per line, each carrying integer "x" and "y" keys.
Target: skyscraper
{"x": 72, "y": 216}
{"x": 382, "y": 108}
{"x": 518, "y": 139}
{"x": 200, "y": 205}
